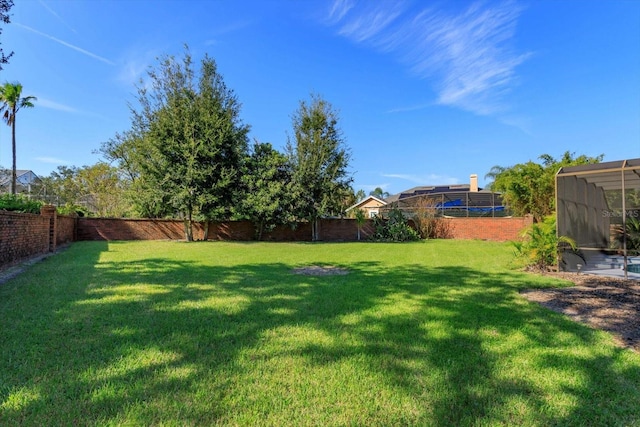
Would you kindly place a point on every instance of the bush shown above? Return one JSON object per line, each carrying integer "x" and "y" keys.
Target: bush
{"x": 541, "y": 246}
{"x": 71, "y": 209}
{"x": 395, "y": 228}
{"x": 631, "y": 234}
{"x": 19, "y": 203}
{"x": 429, "y": 225}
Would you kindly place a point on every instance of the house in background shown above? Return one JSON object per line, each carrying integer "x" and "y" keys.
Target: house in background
{"x": 370, "y": 205}
{"x": 25, "y": 180}
{"x": 457, "y": 200}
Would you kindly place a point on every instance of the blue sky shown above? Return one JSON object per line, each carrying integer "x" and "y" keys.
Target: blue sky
{"x": 428, "y": 92}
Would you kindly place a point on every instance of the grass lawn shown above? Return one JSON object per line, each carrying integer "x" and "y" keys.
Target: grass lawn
{"x": 171, "y": 333}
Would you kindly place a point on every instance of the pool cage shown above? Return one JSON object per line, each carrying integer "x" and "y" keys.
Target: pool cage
{"x": 461, "y": 203}
{"x": 598, "y": 206}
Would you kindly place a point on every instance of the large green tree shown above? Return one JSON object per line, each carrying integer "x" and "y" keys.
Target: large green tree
{"x": 266, "y": 178}
{"x": 529, "y": 188}
{"x": 12, "y": 102}
{"x": 319, "y": 160}
{"x": 186, "y": 143}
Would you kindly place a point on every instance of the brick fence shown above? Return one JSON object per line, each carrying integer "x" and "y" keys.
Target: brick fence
{"x": 27, "y": 235}
{"x": 331, "y": 230}
{"x": 24, "y": 236}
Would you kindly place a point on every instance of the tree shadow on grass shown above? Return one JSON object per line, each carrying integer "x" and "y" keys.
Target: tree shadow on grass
{"x": 160, "y": 340}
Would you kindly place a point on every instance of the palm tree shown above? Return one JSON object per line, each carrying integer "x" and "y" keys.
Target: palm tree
{"x": 12, "y": 101}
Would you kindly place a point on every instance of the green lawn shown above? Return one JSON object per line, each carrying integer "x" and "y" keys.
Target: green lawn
{"x": 171, "y": 333}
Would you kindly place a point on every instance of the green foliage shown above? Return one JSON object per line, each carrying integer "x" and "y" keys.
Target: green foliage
{"x": 529, "y": 188}
{"x": 394, "y": 228}
{"x": 320, "y": 161}
{"x": 71, "y": 209}
{"x": 98, "y": 190}
{"x": 19, "y": 203}
{"x": 361, "y": 219}
{"x": 186, "y": 143}
{"x": 631, "y": 234}
{"x": 266, "y": 200}
{"x": 379, "y": 193}
{"x": 5, "y": 17}
{"x": 541, "y": 246}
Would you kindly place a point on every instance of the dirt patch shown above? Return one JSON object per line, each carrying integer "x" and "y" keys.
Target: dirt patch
{"x": 319, "y": 270}
{"x": 605, "y": 303}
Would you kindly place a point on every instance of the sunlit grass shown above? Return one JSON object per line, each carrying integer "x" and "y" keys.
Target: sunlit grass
{"x": 170, "y": 333}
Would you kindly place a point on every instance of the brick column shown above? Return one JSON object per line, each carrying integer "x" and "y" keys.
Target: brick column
{"x": 50, "y": 212}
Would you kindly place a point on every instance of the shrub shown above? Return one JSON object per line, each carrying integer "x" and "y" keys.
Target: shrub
{"x": 541, "y": 247}
{"x": 427, "y": 222}
{"x": 631, "y": 234}
{"x": 395, "y": 228}
{"x": 19, "y": 203}
{"x": 71, "y": 209}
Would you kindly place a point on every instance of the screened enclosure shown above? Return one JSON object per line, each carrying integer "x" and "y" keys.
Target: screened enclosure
{"x": 598, "y": 206}
{"x": 450, "y": 203}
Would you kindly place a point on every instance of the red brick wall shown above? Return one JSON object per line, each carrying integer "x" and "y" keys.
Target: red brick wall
{"x": 22, "y": 236}
{"x": 496, "y": 229}
{"x": 330, "y": 230}
{"x": 65, "y": 229}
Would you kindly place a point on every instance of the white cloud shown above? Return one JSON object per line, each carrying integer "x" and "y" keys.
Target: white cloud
{"x": 338, "y": 9}
{"x": 69, "y": 45}
{"x": 45, "y": 103}
{"x": 52, "y": 160}
{"x": 370, "y": 23}
{"x": 466, "y": 56}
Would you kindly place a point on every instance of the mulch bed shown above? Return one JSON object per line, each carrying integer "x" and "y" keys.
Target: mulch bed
{"x": 605, "y": 303}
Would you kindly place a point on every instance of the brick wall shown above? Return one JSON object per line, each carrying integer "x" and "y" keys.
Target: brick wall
{"x": 330, "y": 230}
{"x": 65, "y": 229}
{"x": 22, "y": 236}
{"x": 496, "y": 229}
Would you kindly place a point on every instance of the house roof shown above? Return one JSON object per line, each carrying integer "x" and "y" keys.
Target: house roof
{"x": 428, "y": 189}
{"x": 365, "y": 200}
{"x": 5, "y": 176}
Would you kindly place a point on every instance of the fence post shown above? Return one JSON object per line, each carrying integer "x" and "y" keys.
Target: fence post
{"x": 49, "y": 211}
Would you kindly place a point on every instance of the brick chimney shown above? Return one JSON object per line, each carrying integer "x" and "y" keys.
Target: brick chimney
{"x": 473, "y": 183}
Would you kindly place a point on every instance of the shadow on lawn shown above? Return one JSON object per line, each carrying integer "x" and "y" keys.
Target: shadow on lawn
{"x": 119, "y": 345}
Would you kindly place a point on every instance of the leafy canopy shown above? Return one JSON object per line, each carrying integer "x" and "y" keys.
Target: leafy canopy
{"x": 320, "y": 160}
{"x": 529, "y": 188}
{"x": 185, "y": 147}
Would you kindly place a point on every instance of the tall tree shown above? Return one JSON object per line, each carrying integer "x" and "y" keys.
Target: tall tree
{"x": 13, "y": 101}
{"x": 319, "y": 160}
{"x": 266, "y": 178}
{"x": 5, "y": 7}
{"x": 186, "y": 142}
{"x": 529, "y": 188}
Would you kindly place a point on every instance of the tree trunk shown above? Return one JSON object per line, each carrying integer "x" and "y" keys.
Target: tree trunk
{"x": 188, "y": 228}
{"x": 14, "y": 177}
{"x": 259, "y": 230}
{"x": 314, "y": 230}
{"x": 205, "y": 234}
